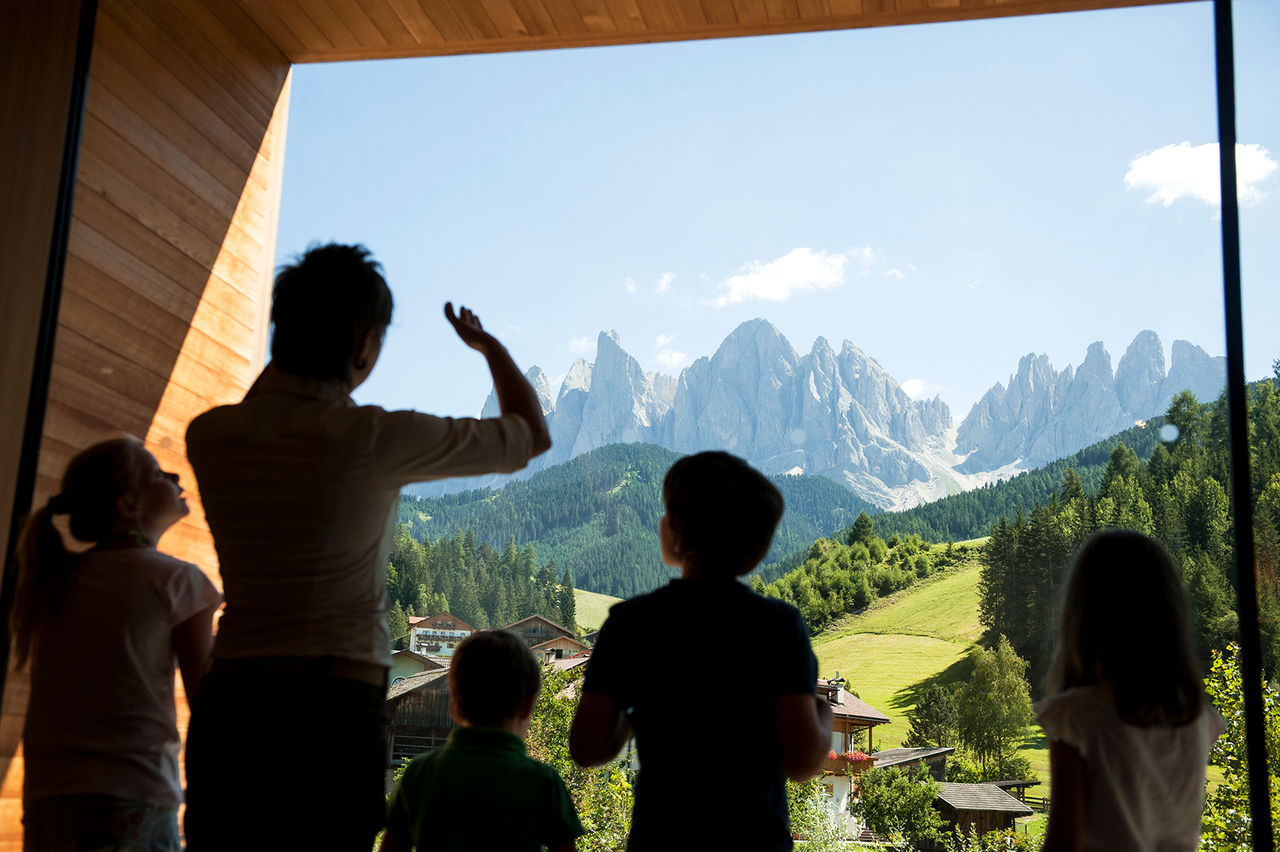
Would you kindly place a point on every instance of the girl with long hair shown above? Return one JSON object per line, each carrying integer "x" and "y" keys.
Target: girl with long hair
{"x": 101, "y": 629}
{"x": 1127, "y": 720}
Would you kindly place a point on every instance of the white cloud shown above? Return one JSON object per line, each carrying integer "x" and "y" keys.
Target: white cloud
{"x": 895, "y": 273}
{"x": 664, "y": 340}
{"x": 664, "y": 282}
{"x": 629, "y": 285}
{"x": 581, "y": 345}
{"x": 796, "y": 271}
{"x": 1187, "y": 171}
{"x": 670, "y": 359}
{"x": 917, "y": 389}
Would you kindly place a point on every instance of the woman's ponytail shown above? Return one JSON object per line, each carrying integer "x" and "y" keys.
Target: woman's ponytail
{"x": 44, "y": 576}
{"x": 92, "y": 485}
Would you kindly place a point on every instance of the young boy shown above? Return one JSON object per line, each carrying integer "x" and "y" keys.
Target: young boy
{"x": 718, "y": 683}
{"x": 481, "y": 791}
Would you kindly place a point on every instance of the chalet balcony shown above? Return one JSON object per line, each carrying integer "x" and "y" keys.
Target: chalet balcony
{"x": 849, "y": 763}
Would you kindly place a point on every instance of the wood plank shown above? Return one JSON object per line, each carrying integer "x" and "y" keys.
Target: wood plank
{"x": 175, "y": 77}
{"x": 627, "y": 17}
{"x": 265, "y": 20}
{"x": 223, "y": 60}
{"x": 149, "y": 210}
{"x": 356, "y": 20}
{"x": 657, "y": 15}
{"x": 106, "y": 107}
{"x": 98, "y": 266}
{"x": 688, "y": 13}
{"x": 719, "y": 12}
{"x": 110, "y": 369}
{"x": 176, "y": 112}
{"x": 595, "y": 16}
{"x": 242, "y": 43}
{"x": 238, "y": 266}
{"x": 505, "y": 17}
{"x": 813, "y": 9}
{"x": 694, "y": 19}
{"x": 388, "y": 21}
{"x": 750, "y": 11}
{"x": 139, "y": 348}
{"x": 169, "y": 265}
{"x": 335, "y": 29}
{"x": 444, "y": 17}
{"x": 566, "y": 17}
{"x": 782, "y": 10}
{"x": 417, "y": 22}
{"x": 535, "y": 17}
{"x": 477, "y": 20}
{"x": 107, "y": 160}
{"x": 296, "y": 20}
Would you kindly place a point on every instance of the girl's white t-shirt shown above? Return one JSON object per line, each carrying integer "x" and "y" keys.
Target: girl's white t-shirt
{"x": 1144, "y": 786}
{"x": 101, "y": 717}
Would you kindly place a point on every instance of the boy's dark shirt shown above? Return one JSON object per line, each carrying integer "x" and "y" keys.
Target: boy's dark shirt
{"x": 698, "y": 664}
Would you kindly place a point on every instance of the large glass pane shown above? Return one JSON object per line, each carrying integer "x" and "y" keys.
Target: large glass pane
{"x": 962, "y": 279}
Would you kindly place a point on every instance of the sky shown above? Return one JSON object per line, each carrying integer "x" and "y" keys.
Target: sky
{"x": 947, "y": 197}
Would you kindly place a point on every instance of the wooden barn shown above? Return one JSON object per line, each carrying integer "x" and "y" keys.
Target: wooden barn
{"x": 983, "y": 807}
{"x": 418, "y": 708}
{"x": 141, "y": 151}
{"x": 536, "y": 630}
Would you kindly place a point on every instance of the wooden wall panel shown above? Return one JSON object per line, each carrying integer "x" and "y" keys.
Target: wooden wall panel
{"x": 37, "y": 57}
{"x": 379, "y": 29}
{"x": 167, "y": 286}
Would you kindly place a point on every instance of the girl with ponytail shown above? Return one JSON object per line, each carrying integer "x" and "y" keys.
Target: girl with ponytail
{"x": 101, "y": 629}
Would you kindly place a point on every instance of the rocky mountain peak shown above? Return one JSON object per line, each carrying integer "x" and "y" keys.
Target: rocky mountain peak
{"x": 1045, "y": 415}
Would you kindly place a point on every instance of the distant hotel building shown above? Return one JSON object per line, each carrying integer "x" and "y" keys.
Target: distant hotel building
{"x": 437, "y": 635}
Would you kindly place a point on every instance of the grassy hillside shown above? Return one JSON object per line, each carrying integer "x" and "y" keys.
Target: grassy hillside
{"x": 592, "y": 608}
{"x": 903, "y": 643}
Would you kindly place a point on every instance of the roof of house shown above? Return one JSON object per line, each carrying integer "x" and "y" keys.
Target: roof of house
{"x": 549, "y": 642}
{"x": 852, "y": 707}
{"x": 899, "y": 756}
{"x": 980, "y": 797}
{"x": 516, "y": 624}
{"x": 458, "y": 623}
{"x": 429, "y": 661}
{"x": 566, "y": 663}
{"x": 434, "y": 678}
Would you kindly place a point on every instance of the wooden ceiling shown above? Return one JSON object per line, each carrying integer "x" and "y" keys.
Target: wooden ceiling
{"x": 329, "y": 30}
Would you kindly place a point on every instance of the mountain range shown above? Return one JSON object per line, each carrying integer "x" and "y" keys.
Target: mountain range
{"x": 841, "y": 415}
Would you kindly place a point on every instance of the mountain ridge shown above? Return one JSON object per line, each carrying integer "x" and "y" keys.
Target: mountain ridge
{"x": 840, "y": 414}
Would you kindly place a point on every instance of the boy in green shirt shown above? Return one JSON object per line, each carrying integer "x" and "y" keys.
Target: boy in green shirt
{"x": 481, "y": 790}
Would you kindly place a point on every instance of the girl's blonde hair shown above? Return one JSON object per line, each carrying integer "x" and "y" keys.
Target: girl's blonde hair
{"x": 92, "y": 486}
{"x": 1125, "y": 621}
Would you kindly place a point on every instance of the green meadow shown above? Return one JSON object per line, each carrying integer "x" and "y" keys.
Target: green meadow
{"x": 903, "y": 643}
{"x": 592, "y": 608}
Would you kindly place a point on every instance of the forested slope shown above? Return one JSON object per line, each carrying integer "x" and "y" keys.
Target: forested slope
{"x": 597, "y": 516}
{"x": 1179, "y": 496}
{"x": 973, "y": 513}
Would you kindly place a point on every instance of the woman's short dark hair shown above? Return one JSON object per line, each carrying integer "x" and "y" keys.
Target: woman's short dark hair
{"x": 322, "y": 305}
{"x": 492, "y": 674}
{"x": 723, "y": 510}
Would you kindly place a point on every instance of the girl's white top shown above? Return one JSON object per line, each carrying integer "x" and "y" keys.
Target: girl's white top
{"x": 1144, "y": 786}
{"x": 101, "y": 717}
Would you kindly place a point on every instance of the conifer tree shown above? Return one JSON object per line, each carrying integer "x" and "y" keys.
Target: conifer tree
{"x": 568, "y": 607}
